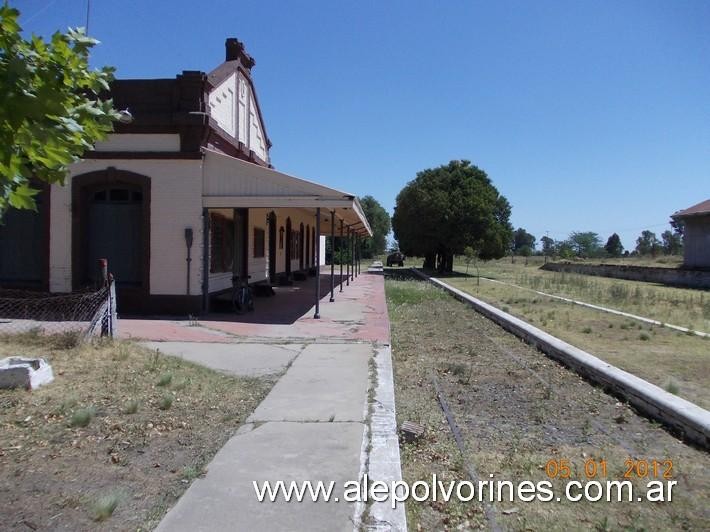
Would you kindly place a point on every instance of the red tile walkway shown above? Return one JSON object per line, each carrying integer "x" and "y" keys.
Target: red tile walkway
{"x": 358, "y": 313}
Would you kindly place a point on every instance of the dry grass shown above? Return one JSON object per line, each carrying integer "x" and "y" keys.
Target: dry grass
{"x": 653, "y": 353}
{"x": 111, "y": 423}
{"x": 512, "y": 424}
{"x": 680, "y": 306}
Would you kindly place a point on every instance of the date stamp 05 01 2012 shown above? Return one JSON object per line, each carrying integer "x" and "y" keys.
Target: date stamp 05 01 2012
{"x": 562, "y": 468}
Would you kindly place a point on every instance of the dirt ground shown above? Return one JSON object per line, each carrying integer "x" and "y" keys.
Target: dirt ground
{"x": 151, "y": 424}
{"x": 517, "y": 410}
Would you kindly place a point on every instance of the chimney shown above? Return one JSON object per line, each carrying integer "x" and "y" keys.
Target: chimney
{"x": 235, "y": 52}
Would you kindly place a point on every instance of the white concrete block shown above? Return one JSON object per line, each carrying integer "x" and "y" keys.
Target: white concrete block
{"x": 28, "y": 373}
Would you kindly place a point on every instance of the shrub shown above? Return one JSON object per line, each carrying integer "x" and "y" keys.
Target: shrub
{"x": 166, "y": 401}
{"x": 131, "y": 407}
{"x": 104, "y": 506}
{"x": 82, "y": 417}
{"x": 165, "y": 379}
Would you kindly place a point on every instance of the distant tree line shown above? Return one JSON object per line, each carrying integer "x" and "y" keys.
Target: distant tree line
{"x": 588, "y": 244}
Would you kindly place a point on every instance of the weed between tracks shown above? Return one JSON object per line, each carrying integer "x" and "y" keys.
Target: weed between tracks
{"x": 513, "y": 424}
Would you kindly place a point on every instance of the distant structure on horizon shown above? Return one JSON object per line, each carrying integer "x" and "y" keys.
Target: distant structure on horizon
{"x": 696, "y": 235}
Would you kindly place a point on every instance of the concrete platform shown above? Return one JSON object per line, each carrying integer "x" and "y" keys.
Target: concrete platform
{"x": 327, "y": 382}
{"x": 225, "y": 499}
{"x": 313, "y": 425}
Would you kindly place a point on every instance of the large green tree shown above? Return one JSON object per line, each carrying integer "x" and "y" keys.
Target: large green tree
{"x": 445, "y": 209}
{"x": 523, "y": 242}
{"x": 548, "y": 245}
{"x": 379, "y": 223}
{"x": 50, "y": 111}
{"x": 614, "y": 246}
{"x": 648, "y": 244}
{"x": 672, "y": 242}
{"x": 585, "y": 243}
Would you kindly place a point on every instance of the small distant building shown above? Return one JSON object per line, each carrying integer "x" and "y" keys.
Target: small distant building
{"x": 696, "y": 234}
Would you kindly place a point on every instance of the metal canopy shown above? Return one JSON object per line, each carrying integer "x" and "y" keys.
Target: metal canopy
{"x": 229, "y": 182}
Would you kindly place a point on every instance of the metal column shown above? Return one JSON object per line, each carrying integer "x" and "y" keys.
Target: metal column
{"x": 332, "y": 255}
{"x": 340, "y": 254}
{"x": 316, "y": 316}
{"x": 347, "y": 269}
{"x": 352, "y": 257}
{"x": 359, "y": 254}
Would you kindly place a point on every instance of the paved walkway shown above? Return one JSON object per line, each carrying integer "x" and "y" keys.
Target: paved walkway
{"x": 315, "y": 424}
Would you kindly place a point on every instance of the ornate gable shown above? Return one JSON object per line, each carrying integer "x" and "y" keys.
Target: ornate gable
{"x": 234, "y": 107}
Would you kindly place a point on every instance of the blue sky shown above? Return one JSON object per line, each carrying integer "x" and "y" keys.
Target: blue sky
{"x": 586, "y": 115}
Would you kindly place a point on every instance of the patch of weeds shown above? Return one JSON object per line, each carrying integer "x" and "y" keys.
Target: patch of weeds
{"x": 671, "y": 386}
{"x": 690, "y": 331}
{"x": 191, "y": 472}
{"x": 66, "y": 405}
{"x": 121, "y": 353}
{"x": 180, "y": 384}
{"x": 455, "y": 369}
{"x": 166, "y": 401}
{"x": 154, "y": 362}
{"x": 131, "y": 407}
{"x": 104, "y": 506}
{"x": 165, "y": 379}
{"x": 587, "y": 330}
{"x": 624, "y": 326}
{"x": 82, "y": 417}
{"x": 506, "y": 309}
{"x": 644, "y": 337}
{"x": 67, "y": 340}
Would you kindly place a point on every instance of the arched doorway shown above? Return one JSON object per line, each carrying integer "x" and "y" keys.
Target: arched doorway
{"x": 300, "y": 248}
{"x": 111, "y": 220}
{"x": 272, "y": 246}
{"x": 289, "y": 249}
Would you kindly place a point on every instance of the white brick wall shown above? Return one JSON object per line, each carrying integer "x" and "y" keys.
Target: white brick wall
{"x": 176, "y": 203}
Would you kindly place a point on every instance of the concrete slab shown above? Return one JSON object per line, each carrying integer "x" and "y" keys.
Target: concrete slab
{"x": 327, "y": 382}
{"x": 249, "y": 360}
{"x": 225, "y": 499}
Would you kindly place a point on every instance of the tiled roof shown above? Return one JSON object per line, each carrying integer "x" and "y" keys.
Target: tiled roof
{"x": 701, "y": 208}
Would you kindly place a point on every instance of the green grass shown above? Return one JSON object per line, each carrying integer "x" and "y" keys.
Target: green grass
{"x": 165, "y": 379}
{"x": 103, "y": 507}
{"x": 82, "y": 417}
{"x": 166, "y": 401}
{"x": 413, "y": 293}
{"x": 131, "y": 407}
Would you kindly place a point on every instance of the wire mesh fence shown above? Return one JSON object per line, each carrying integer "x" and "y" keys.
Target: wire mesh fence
{"x": 87, "y": 313}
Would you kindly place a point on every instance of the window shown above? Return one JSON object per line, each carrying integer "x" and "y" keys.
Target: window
{"x": 259, "y": 239}
{"x": 281, "y": 237}
{"x": 221, "y": 244}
